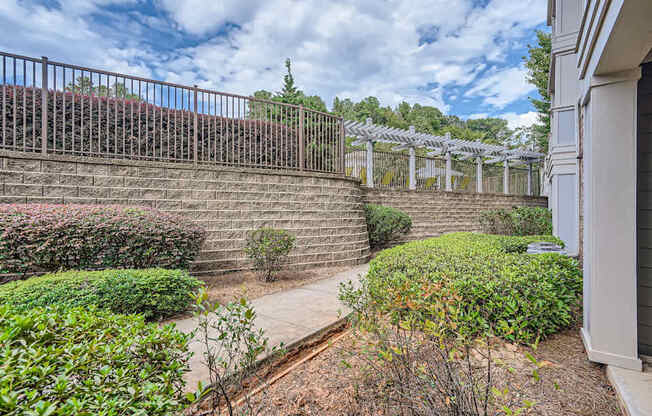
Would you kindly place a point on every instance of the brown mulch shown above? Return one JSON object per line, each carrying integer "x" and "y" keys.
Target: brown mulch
{"x": 233, "y": 286}
{"x": 325, "y": 386}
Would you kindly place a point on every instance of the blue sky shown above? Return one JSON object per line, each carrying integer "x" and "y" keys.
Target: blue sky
{"x": 463, "y": 56}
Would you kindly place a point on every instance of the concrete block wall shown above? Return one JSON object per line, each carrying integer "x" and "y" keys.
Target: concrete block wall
{"x": 438, "y": 212}
{"x": 325, "y": 212}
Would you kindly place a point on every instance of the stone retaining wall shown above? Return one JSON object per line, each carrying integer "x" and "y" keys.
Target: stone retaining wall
{"x": 437, "y": 212}
{"x": 324, "y": 211}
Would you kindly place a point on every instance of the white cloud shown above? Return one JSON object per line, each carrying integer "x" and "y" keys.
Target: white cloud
{"x": 337, "y": 47}
{"x": 515, "y": 120}
{"x": 359, "y": 48}
{"x": 502, "y": 87}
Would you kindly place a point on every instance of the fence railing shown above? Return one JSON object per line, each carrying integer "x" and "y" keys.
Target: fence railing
{"x": 53, "y": 107}
{"x": 391, "y": 170}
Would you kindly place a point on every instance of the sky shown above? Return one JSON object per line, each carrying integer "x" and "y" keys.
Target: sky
{"x": 462, "y": 56}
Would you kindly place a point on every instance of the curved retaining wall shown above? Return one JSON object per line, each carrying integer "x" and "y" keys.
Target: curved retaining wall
{"x": 438, "y": 212}
{"x": 324, "y": 211}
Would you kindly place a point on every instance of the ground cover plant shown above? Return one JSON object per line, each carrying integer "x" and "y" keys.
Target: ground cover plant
{"x": 517, "y": 221}
{"x": 494, "y": 286}
{"x": 384, "y": 224}
{"x": 45, "y": 238}
{"x": 268, "y": 248}
{"x": 82, "y": 361}
{"x": 152, "y": 293}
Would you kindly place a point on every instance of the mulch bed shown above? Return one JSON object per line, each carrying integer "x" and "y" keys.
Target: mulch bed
{"x": 324, "y": 386}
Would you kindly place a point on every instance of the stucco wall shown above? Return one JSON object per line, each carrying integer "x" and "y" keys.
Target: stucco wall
{"x": 324, "y": 212}
{"x": 436, "y": 212}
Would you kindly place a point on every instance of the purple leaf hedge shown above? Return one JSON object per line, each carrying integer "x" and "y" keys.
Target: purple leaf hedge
{"x": 38, "y": 238}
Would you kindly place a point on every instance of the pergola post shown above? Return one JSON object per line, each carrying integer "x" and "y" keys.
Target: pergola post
{"x": 529, "y": 179}
{"x": 370, "y": 159}
{"x": 413, "y": 165}
{"x": 449, "y": 168}
{"x": 506, "y": 177}
{"x": 478, "y": 175}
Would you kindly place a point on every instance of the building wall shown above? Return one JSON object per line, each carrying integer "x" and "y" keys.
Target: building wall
{"x": 599, "y": 84}
{"x": 324, "y": 211}
{"x": 437, "y": 212}
{"x": 563, "y": 181}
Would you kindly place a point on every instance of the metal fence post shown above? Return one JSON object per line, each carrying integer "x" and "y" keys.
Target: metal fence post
{"x": 194, "y": 133}
{"x": 44, "y": 104}
{"x": 342, "y": 148}
{"x": 302, "y": 155}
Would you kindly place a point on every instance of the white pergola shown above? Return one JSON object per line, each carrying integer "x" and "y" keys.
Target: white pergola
{"x": 369, "y": 133}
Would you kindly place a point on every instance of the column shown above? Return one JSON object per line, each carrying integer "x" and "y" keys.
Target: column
{"x": 506, "y": 177}
{"x": 610, "y": 329}
{"x": 413, "y": 165}
{"x": 370, "y": 163}
{"x": 449, "y": 163}
{"x": 478, "y": 175}
{"x": 370, "y": 159}
{"x": 529, "y": 179}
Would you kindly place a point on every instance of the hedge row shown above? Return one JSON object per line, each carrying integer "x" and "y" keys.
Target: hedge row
{"x": 153, "y": 293}
{"x": 517, "y": 221}
{"x": 133, "y": 127}
{"x": 80, "y": 361}
{"x": 485, "y": 282}
{"x": 46, "y": 238}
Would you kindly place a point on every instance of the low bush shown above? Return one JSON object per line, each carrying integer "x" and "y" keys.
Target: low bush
{"x": 385, "y": 224}
{"x": 488, "y": 285}
{"x": 152, "y": 293}
{"x": 47, "y": 238}
{"x": 517, "y": 221}
{"x": 268, "y": 248}
{"x": 83, "y": 361}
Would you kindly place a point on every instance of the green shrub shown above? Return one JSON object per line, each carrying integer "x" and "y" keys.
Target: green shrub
{"x": 268, "y": 248}
{"x": 385, "y": 224}
{"x": 153, "y": 293}
{"x": 517, "y": 221}
{"x": 485, "y": 282}
{"x": 84, "y": 361}
{"x": 47, "y": 238}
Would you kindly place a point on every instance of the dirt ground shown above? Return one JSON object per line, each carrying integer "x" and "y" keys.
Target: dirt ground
{"x": 325, "y": 386}
{"x": 232, "y": 286}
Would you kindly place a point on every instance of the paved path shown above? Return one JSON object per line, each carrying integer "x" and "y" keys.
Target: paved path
{"x": 286, "y": 317}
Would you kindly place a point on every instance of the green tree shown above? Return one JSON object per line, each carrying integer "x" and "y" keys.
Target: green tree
{"x": 538, "y": 64}
{"x": 290, "y": 94}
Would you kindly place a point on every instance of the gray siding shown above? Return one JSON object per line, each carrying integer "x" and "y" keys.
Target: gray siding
{"x": 644, "y": 290}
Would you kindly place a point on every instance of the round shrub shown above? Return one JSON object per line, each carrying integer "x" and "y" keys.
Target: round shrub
{"x": 268, "y": 248}
{"x": 384, "y": 224}
{"x": 45, "y": 238}
{"x": 485, "y": 289}
{"x": 152, "y": 293}
{"x": 82, "y": 361}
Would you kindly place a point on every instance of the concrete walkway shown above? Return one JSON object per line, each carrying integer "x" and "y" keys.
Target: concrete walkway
{"x": 634, "y": 389}
{"x": 286, "y": 317}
